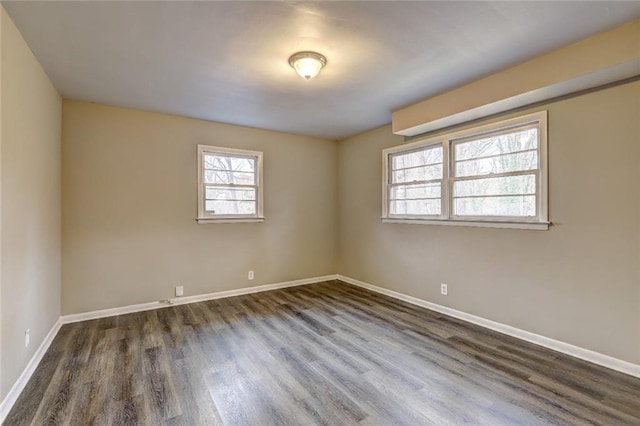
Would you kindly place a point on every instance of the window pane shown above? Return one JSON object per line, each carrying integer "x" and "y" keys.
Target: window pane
{"x": 515, "y": 205}
{"x": 525, "y": 184}
{"x": 432, "y": 155}
{"x": 223, "y": 162}
{"x": 496, "y": 145}
{"x": 217, "y": 193}
{"x": 417, "y": 174}
{"x": 423, "y": 190}
{"x": 229, "y": 177}
{"x": 494, "y": 175}
{"x": 230, "y": 207}
{"x": 502, "y": 164}
{"x": 415, "y": 207}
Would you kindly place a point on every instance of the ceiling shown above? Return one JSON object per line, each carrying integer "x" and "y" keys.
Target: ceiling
{"x": 227, "y": 61}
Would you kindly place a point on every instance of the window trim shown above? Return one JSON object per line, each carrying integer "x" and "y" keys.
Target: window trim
{"x": 205, "y": 218}
{"x": 448, "y": 141}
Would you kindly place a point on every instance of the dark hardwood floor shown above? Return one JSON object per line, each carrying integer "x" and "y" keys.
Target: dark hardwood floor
{"x": 327, "y": 353}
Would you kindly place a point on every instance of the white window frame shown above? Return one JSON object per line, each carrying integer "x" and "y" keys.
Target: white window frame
{"x": 391, "y": 152}
{"x": 448, "y": 141}
{"x": 203, "y": 217}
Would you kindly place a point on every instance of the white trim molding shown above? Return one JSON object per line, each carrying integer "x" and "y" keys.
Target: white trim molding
{"x": 104, "y": 313}
{"x": 556, "y": 345}
{"x": 7, "y": 404}
{"x": 538, "y": 226}
{"x": 562, "y": 347}
{"x": 19, "y": 385}
{"x": 247, "y": 220}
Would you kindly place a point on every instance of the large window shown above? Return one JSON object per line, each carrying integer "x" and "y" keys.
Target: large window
{"x": 229, "y": 185}
{"x": 494, "y": 175}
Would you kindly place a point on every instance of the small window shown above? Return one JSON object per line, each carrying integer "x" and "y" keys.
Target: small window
{"x": 229, "y": 185}
{"x": 494, "y": 175}
{"x": 416, "y": 182}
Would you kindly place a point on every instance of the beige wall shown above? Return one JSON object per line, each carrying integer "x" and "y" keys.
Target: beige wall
{"x": 579, "y": 282}
{"x": 129, "y": 203}
{"x": 604, "y": 57}
{"x": 30, "y": 201}
{"x": 2, "y": 392}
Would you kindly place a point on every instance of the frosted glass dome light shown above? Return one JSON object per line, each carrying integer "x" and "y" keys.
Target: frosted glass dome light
{"x": 307, "y": 64}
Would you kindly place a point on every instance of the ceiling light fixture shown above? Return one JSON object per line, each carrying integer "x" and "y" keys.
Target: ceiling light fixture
{"x": 307, "y": 64}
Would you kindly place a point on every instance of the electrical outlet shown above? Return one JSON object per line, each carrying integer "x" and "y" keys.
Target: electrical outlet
{"x": 27, "y": 338}
{"x": 444, "y": 289}
{"x": 250, "y": 275}
{"x": 179, "y": 291}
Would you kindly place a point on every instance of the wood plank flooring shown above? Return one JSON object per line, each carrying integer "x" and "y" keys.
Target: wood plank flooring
{"x": 326, "y": 354}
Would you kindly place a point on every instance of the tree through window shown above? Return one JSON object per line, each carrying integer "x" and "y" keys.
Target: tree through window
{"x": 492, "y": 173}
{"x": 230, "y": 184}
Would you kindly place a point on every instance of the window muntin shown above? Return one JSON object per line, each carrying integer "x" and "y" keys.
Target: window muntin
{"x": 229, "y": 184}
{"x": 492, "y": 173}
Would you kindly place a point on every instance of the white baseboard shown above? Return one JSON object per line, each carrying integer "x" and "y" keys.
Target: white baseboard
{"x": 66, "y": 319}
{"x": 575, "y": 351}
{"x": 18, "y": 386}
{"x": 556, "y": 345}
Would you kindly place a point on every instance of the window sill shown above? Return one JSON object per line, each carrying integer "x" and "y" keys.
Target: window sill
{"x": 539, "y": 226}
{"x": 205, "y": 220}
